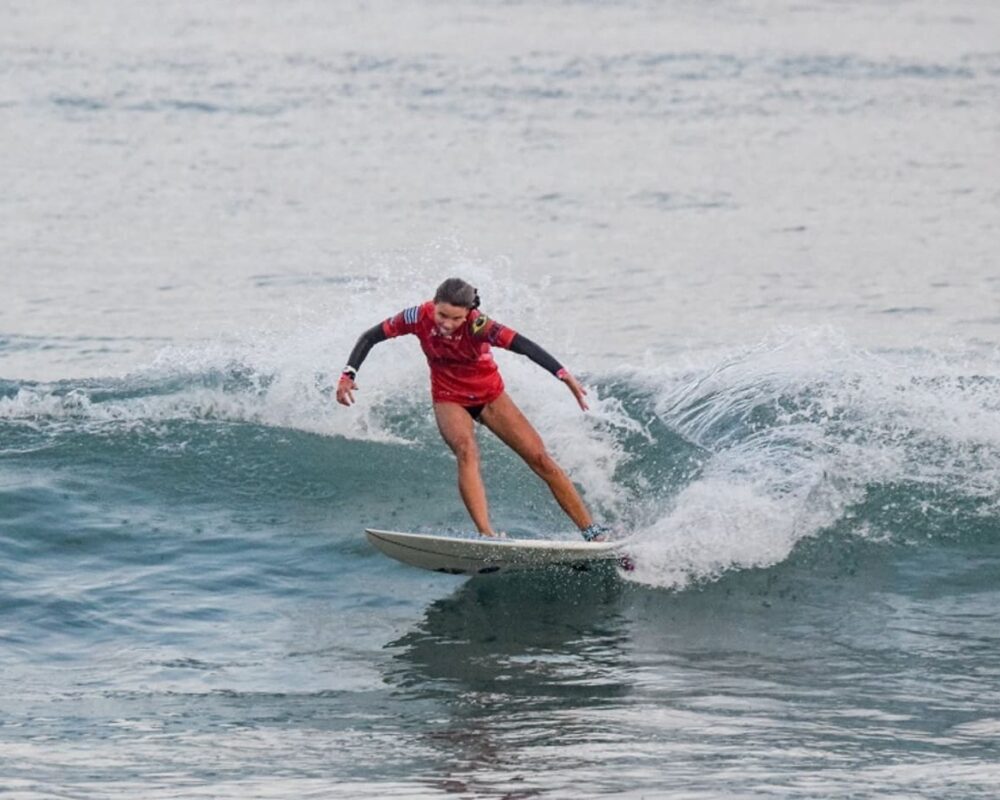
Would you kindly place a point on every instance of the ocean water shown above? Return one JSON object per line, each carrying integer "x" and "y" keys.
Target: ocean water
{"x": 764, "y": 234}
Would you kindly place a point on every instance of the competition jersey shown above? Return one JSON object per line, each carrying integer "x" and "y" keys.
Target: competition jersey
{"x": 462, "y": 367}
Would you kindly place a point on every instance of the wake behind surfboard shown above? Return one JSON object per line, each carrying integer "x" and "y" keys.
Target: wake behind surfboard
{"x": 481, "y": 555}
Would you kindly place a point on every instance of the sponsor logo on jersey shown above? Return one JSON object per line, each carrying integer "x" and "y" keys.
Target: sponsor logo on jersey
{"x": 479, "y": 324}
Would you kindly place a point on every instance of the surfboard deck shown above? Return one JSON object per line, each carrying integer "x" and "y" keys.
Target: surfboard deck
{"x": 457, "y": 555}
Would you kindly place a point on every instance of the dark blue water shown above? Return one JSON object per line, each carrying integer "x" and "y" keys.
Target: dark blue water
{"x": 187, "y": 600}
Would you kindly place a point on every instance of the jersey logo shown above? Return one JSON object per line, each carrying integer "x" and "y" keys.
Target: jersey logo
{"x": 410, "y": 315}
{"x": 479, "y": 324}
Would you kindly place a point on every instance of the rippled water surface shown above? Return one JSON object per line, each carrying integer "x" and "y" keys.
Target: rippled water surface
{"x": 763, "y": 234}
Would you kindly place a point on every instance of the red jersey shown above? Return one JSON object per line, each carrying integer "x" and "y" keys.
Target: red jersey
{"x": 462, "y": 367}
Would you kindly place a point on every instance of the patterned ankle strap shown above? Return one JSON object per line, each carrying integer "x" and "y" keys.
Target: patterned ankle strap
{"x": 593, "y": 531}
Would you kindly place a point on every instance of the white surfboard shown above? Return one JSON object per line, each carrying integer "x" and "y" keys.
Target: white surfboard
{"x": 484, "y": 554}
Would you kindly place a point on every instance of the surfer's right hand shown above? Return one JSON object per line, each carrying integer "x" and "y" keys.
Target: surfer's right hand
{"x": 574, "y": 386}
{"x": 345, "y": 390}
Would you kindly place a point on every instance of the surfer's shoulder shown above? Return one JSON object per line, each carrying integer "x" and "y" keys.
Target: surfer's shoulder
{"x": 479, "y": 323}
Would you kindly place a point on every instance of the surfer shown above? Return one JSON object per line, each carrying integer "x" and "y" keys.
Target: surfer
{"x": 466, "y": 387}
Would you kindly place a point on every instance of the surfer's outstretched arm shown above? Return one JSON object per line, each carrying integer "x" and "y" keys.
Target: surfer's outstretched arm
{"x": 524, "y": 346}
{"x": 346, "y": 384}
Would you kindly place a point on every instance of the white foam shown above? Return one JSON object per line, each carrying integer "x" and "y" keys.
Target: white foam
{"x": 795, "y": 429}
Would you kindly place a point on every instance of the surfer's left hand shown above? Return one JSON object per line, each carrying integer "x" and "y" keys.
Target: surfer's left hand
{"x": 578, "y": 391}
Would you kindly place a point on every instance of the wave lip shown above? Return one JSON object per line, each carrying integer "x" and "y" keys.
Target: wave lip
{"x": 806, "y": 434}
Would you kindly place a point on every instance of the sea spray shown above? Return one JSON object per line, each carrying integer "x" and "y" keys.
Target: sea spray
{"x": 804, "y": 427}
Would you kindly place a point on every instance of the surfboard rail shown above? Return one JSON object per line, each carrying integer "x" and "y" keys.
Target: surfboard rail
{"x": 463, "y": 555}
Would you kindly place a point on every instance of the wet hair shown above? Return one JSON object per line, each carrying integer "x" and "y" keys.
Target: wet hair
{"x": 457, "y": 292}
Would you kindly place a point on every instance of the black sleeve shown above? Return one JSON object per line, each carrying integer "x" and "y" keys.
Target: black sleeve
{"x": 366, "y": 342}
{"x": 526, "y": 347}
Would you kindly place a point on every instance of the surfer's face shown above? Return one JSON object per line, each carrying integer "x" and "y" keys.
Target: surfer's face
{"x": 448, "y": 318}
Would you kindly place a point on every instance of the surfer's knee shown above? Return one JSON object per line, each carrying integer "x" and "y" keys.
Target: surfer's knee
{"x": 465, "y": 450}
{"x": 541, "y": 462}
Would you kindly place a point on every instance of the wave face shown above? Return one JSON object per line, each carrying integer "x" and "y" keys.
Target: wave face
{"x": 183, "y": 579}
{"x": 739, "y": 463}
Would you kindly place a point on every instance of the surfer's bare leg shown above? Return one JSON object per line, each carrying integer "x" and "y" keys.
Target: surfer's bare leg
{"x": 505, "y": 419}
{"x": 458, "y": 430}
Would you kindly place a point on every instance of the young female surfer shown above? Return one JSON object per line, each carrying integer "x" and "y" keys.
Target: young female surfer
{"x": 466, "y": 387}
